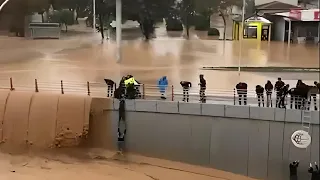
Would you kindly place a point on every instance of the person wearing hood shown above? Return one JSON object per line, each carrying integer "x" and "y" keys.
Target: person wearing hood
{"x": 186, "y": 85}
{"x": 269, "y": 87}
{"x": 277, "y": 87}
{"x": 203, "y": 87}
{"x": 163, "y": 84}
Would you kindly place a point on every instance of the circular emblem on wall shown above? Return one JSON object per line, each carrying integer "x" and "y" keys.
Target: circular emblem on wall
{"x": 301, "y": 139}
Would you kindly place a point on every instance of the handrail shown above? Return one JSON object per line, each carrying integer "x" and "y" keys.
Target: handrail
{"x": 152, "y": 92}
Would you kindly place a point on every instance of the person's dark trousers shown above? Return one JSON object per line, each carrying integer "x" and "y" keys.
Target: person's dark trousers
{"x": 131, "y": 92}
{"x": 110, "y": 91}
{"x": 240, "y": 98}
{"x": 298, "y": 102}
{"x": 278, "y": 98}
{"x": 242, "y": 94}
{"x": 269, "y": 98}
{"x": 202, "y": 94}
{"x": 260, "y": 98}
{"x": 245, "y": 98}
{"x": 314, "y": 98}
{"x": 281, "y": 102}
{"x": 293, "y": 167}
{"x": 185, "y": 95}
{"x": 292, "y": 100}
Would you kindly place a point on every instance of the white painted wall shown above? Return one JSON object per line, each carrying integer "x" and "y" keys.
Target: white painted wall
{"x": 293, "y": 2}
{"x": 279, "y": 29}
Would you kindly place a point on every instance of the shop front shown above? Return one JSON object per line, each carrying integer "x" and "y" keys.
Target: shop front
{"x": 255, "y": 28}
{"x": 303, "y": 25}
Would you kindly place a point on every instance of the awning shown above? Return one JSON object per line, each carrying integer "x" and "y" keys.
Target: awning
{"x": 301, "y": 15}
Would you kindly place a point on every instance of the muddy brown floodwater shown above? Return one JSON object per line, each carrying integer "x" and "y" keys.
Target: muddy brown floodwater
{"x": 82, "y": 57}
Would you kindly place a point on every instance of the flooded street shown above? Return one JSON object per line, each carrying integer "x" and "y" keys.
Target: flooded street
{"x": 82, "y": 57}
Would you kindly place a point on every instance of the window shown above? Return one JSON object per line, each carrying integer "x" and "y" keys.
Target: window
{"x": 250, "y": 32}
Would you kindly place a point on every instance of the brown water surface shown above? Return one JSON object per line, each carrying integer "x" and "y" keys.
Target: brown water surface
{"x": 82, "y": 57}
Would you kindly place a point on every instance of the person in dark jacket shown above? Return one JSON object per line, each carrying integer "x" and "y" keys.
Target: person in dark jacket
{"x": 242, "y": 90}
{"x": 315, "y": 172}
{"x": 302, "y": 93}
{"x": 110, "y": 85}
{"x": 283, "y": 94}
{"x": 259, "y": 92}
{"x": 317, "y": 84}
{"x": 186, "y": 85}
{"x": 203, "y": 87}
{"x": 278, "y": 85}
{"x": 269, "y": 88}
{"x": 293, "y": 167}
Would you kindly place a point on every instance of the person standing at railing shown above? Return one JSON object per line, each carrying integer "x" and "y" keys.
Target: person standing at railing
{"x": 186, "y": 85}
{"x": 203, "y": 87}
{"x": 259, "y": 92}
{"x": 163, "y": 84}
{"x": 317, "y": 84}
{"x": 278, "y": 85}
{"x": 269, "y": 87}
{"x": 242, "y": 90}
{"x": 110, "y": 85}
{"x": 283, "y": 94}
{"x": 130, "y": 84}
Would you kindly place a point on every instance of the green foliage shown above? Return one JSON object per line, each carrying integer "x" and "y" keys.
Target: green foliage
{"x": 54, "y": 17}
{"x": 173, "y": 24}
{"x": 66, "y": 17}
{"x": 213, "y": 32}
{"x": 63, "y": 16}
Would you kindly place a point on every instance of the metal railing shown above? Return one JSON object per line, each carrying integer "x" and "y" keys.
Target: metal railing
{"x": 152, "y": 92}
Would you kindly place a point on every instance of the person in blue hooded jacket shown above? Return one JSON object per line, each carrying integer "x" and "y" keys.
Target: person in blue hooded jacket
{"x": 163, "y": 84}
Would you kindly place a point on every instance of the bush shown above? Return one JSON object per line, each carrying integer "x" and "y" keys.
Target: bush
{"x": 173, "y": 25}
{"x": 213, "y": 32}
{"x": 63, "y": 16}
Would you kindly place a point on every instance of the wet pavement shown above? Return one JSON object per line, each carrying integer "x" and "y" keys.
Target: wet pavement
{"x": 80, "y": 57}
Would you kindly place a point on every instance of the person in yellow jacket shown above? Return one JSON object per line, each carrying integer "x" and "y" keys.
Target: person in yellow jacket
{"x": 130, "y": 84}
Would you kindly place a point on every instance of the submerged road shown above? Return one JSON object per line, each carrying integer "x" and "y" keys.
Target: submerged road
{"x": 81, "y": 57}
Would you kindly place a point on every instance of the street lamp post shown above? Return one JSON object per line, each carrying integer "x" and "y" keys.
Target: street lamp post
{"x": 118, "y": 28}
{"x": 241, "y": 36}
{"x": 94, "y": 15}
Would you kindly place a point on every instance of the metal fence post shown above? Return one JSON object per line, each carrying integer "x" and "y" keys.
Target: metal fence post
{"x": 234, "y": 96}
{"x": 143, "y": 92}
{"x": 88, "y": 87}
{"x": 172, "y": 93}
{"x": 36, "y": 85}
{"x": 11, "y": 85}
{"x": 62, "y": 91}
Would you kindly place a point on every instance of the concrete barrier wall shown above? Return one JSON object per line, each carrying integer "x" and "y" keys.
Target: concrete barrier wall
{"x": 250, "y": 141}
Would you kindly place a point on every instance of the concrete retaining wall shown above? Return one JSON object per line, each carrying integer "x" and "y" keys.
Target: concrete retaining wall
{"x": 251, "y": 141}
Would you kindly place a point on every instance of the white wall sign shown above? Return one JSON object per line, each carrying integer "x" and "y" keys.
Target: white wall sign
{"x": 301, "y": 139}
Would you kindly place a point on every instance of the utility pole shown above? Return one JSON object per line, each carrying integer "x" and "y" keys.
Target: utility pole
{"x": 118, "y": 28}
{"x": 241, "y": 36}
{"x": 94, "y": 15}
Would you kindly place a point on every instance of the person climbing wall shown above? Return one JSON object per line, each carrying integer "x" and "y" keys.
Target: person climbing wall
{"x": 122, "y": 129}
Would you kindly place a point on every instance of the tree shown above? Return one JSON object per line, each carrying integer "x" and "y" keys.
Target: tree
{"x": 215, "y": 6}
{"x": 187, "y": 12}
